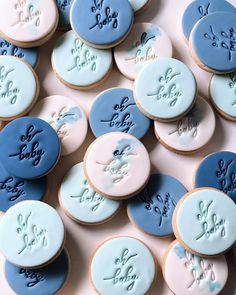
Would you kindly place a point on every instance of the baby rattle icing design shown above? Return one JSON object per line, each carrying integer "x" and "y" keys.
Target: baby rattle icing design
{"x": 232, "y": 85}
{"x": 227, "y": 180}
{"x": 8, "y": 91}
{"x": 124, "y": 273}
{"x": 34, "y": 277}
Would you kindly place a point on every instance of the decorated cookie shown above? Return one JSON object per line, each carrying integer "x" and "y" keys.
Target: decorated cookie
{"x": 29, "y": 147}
{"x": 189, "y": 133}
{"x": 212, "y": 216}
{"x": 139, "y": 5}
{"x": 37, "y": 231}
{"x": 212, "y": 42}
{"x": 50, "y": 279}
{"x": 81, "y": 202}
{"x": 123, "y": 265}
{"x": 165, "y": 89}
{"x": 223, "y": 95}
{"x": 67, "y": 119}
{"x": 145, "y": 43}
{"x": 19, "y": 87}
{"x": 101, "y": 23}
{"x": 30, "y": 55}
{"x": 64, "y": 12}
{"x": 198, "y": 9}
{"x": 28, "y": 23}
{"x": 152, "y": 209}
{"x": 116, "y": 110}
{"x": 193, "y": 275}
{"x": 78, "y": 65}
{"x": 220, "y": 168}
{"x": 14, "y": 190}
{"x": 117, "y": 165}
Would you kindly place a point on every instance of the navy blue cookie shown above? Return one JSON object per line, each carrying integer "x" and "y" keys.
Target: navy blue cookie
{"x": 29, "y": 147}
{"x": 115, "y": 110}
{"x": 64, "y": 12}
{"x": 43, "y": 281}
{"x": 30, "y": 55}
{"x": 14, "y": 190}
{"x": 218, "y": 170}
{"x": 152, "y": 209}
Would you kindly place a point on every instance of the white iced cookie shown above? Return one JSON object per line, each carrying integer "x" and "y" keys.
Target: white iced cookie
{"x": 78, "y": 65}
{"x": 81, "y": 202}
{"x": 138, "y": 5}
{"x": 123, "y": 265}
{"x": 31, "y": 234}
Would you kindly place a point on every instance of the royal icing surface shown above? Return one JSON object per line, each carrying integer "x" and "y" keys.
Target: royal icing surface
{"x": 186, "y": 273}
{"x": 79, "y": 64}
{"x": 212, "y": 216}
{"x": 29, "y": 147}
{"x": 81, "y": 202}
{"x": 31, "y": 225}
{"x": 138, "y": 4}
{"x": 32, "y": 281}
{"x": 213, "y": 41}
{"x": 117, "y": 165}
{"x": 64, "y": 12}
{"x": 223, "y": 93}
{"x": 66, "y": 117}
{"x": 191, "y": 132}
{"x": 145, "y": 43}
{"x": 30, "y": 55}
{"x": 18, "y": 87}
{"x": 220, "y": 168}
{"x": 27, "y": 20}
{"x": 152, "y": 209}
{"x": 116, "y": 110}
{"x": 14, "y": 190}
{"x": 165, "y": 89}
{"x": 198, "y": 9}
{"x": 101, "y": 22}
{"x": 123, "y": 266}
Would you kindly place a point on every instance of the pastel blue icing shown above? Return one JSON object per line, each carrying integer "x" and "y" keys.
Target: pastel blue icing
{"x": 152, "y": 209}
{"x": 218, "y": 170}
{"x": 179, "y": 251}
{"x": 30, "y": 55}
{"x": 115, "y": 110}
{"x": 29, "y": 147}
{"x": 64, "y": 12}
{"x": 89, "y": 19}
{"x": 198, "y": 9}
{"x": 47, "y": 280}
{"x": 14, "y": 190}
{"x": 214, "y": 41}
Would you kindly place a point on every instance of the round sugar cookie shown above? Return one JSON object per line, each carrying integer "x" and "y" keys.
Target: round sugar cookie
{"x": 189, "y": 274}
{"x": 165, "y": 89}
{"x": 139, "y": 5}
{"x": 14, "y": 190}
{"x": 115, "y": 110}
{"x": 220, "y": 168}
{"x": 33, "y": 234}
{"x": 102, "y": 23}
{"x": 66, "y": 117}
{"x": 50, "y": 278}
{"x": 28, "y": 23}
{"x": 212, "y": 42}
{"x": 29, "y": 55}
{"x": 19, "y": 88}
{"x": 78, "y": 65}
{"x": 145, "y": 43}
{"x": 117, "y": 165}
{"x": 191, "y": 132}
{"x": 81, "y": 202}
{"x": 152, "y": 209}
{"x": 223, "y": 94}
{"x": 123, "y": 265}
{"x": 64, "y": 13}
{"x": 29, "y": 147}
{"x": 199, "y": 9}
{"x": 204, "y": 222}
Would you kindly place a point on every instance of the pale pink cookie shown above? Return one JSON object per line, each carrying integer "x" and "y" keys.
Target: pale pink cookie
{"x": 191, "y": 132}
{"x": 117, "y": 165}
{"x": 145, "y": 43}
{"x": 66, "y": 117}
{"x": 188, "y": 274}
{"x": 28, "y": 23}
